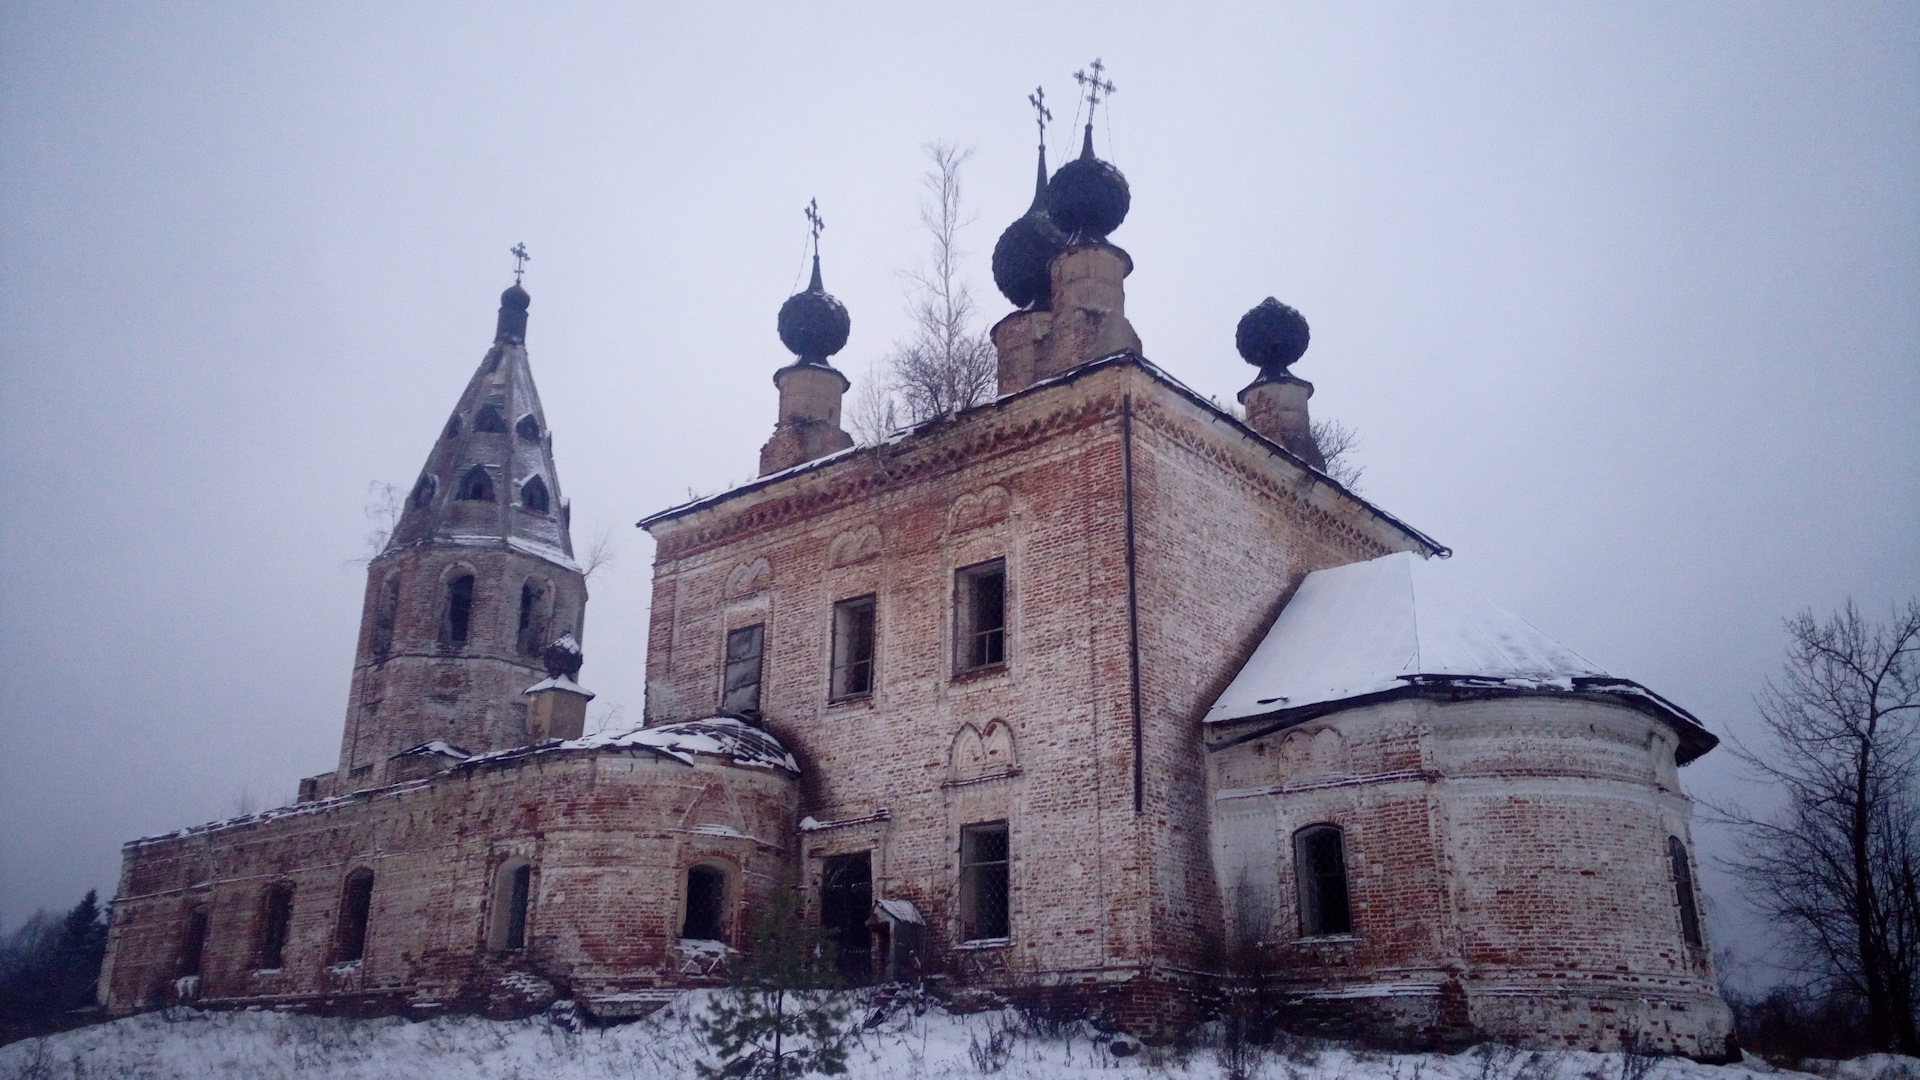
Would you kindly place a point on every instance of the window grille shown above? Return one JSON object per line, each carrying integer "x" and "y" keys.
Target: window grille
{"x": 356, "y": 904}
{"x": 1320, "y": 863}
{"x": 980, "y": 615}
{"x": 740, "y": 692}
{"x": 706, "y": 902}
{"x": 276, "y": 916}
{"x": 1683, "y": 890}
{"x": 852, "y": 648}
{"x": 459, "y": 608}
{"x": 846, "y": 901}
{"x": 983, "y": 882}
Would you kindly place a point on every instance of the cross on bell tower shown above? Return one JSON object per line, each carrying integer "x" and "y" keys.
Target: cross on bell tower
{"x": 1095, "y": 85}
{"x": 520, "y": 260}
{"x": 1041, "y": 114}
{"x": 816, "y": 223}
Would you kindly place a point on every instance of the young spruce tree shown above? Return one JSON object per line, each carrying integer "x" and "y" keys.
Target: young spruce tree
{"x": 785, "y": 1016}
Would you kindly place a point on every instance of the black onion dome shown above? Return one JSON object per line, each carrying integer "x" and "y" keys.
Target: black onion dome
{"x": 1271, "y": 336}
{"x": 1088, "y": 198}
{"x": 512, "y": 325}
{"x": 515, "y": 297}
{"x": 812, "y": 323}
{"x": 1023, "y": 256}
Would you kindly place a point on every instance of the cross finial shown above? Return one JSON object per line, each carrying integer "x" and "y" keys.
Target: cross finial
{"x": 1095, "y": 85}
{"x": 816, "y": 223}
{"x": 520, "y": 260}
{"x": 1041, "y": 114}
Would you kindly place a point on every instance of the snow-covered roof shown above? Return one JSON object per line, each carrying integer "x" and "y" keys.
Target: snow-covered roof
{"x": 719, "y": 736}
{"x": 1399, "y": 622}
{"x": 437, "y": 746}
{"x": 559, "y": 682}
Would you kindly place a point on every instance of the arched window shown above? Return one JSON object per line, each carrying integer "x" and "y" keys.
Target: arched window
{"x": 459, "y": 609}
{"x": 453, "y": 427}
{"x": 532, "y": 634}
{"x": 512, "y": 885}
{"x": 489, "y": 419}
{"x": 533, "y": 495}
{"x": 1320, "y": 865}
{"x": 476, "y": 486}
{"x": 423, "y": 491}
{"x": 356, "y": 903}
{"x": 276, "y": 914}
{"x": 386, "y": 610}
{"x": 1683, "y": 890}
{"x": 528, "y": 428}
{"x": 706, "y": 903}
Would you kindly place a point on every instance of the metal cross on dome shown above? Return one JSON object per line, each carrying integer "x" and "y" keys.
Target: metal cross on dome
{"x": 1041, "y": 114}
{"x": 816, "y": 223}
{"x": 520, "y": 260}
{"x": 1095, "y": 86}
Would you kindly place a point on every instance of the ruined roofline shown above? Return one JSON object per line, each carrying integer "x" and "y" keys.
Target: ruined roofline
{"x": 1429, "y": 546}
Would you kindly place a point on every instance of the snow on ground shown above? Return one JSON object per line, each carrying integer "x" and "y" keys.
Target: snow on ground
{"x": 260, "y": 1045}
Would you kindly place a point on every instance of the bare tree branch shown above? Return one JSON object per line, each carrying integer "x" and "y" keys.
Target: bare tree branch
{"x": 601, "y": 556}
{"x": 384, "y": 504}
{"x": 946, "y": 364}
{"x": 1337, "y": 442}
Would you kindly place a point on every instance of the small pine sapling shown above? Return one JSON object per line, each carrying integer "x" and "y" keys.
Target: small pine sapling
{"x": 785, "y": 1016}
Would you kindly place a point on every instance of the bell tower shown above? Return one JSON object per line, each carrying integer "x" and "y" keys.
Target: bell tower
{"x": 476, "y": 581}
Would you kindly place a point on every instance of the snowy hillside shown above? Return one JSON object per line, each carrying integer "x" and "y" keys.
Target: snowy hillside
{"x": 183, "y": 1043}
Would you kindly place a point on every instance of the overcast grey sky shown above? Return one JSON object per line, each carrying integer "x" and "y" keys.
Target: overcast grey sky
{"x": 1622, "y": 299}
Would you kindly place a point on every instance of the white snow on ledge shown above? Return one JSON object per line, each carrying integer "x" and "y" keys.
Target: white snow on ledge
{"x": 559, "y": 682}
{"x": 717, "y": 736}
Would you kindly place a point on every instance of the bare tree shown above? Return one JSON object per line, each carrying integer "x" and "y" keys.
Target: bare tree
{"x": 946, "y": 364}
{"x": 874, "y": 412}
{"x": 1337, "y": 442}
{"x": 603, "y": 555}
{"x": 384, "y": 503}
{"x": 1838, "y": 868}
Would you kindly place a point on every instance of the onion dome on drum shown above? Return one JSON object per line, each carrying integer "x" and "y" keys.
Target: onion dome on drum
{"x": 1023, "y": 256}
{"x": 1088, "y": 198}
{"x": 1271, "y": 337}
{"x": 812, "y": 323}
{"x": 512, "y": 325}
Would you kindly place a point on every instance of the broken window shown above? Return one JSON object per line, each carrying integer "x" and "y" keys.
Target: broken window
{"x": 852, "y": 648}
{"x": 356, "y": 904}
{"x": 983, "y": 881}
{"x": 846, "y": 900}
{"x": 276, "y": 914}
{"x": 740, "y": 692}
{"x": 476, "y": 486}
{"x": 385, "y": 612}
{"x": 424, "y": 490}
{"x": 980, "y": 616}
{"x": 489, "y": 419}
{"x": 533, "y": 495}
{"x": 459, "y": 609}
{"x": 1320, "y": 864}
{"x": 533, "y": 622}
{"x": 1683, "y": 890}
{"x": 453, "y": 427}
{"x": 195, "y": 945}
{"x": 528, "y": 428}
{"x": 706, "y": 903}
{"x": 512, "y": 885}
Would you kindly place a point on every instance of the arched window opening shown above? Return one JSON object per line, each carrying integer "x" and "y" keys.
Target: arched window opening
{"x": 453, "y": 427}
{"x": 1320, "y": 864}
{"x": 706, "y": 903}
{"x": 1683, "y": 890}
{"x": 489, "y": 419}
{"x": 532, "y": 634}
{"x": 195, "y": 945}
{"x": 423, "y": 492}
{"x": 276, "y": 915}
{"x": 459, "y": 609}
{"x": 533, "y": 495}
{"x": 385, "y": 612}
{"x": 356, "y": 904}
{"x": 512, "y": 886}
{"x": 528, "y": 428}
{"x": 476, "y": 486}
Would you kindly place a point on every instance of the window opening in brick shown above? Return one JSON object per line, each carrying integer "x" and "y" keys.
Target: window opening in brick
{"x": 1683, "y": 890}
{"x": 489, "y": 419}
{"x": 195, "y": 945}
{"x": 706, "y": 902}
{"x": 459, "y": 608}
{"x": 512, "y": 885}
{"x": 532, "y": 632}
{"x": 533, "y": 495}
{"x": 276, "y": 914}
{"x": 423, "y": 491}
{"x": 528, "y": 428}
{"x": 853, "y": 648}
{"x": 476, "y": 486}
{"x": 740, "y": 695}
{"x": 453, "y": 427}
{"x": 846, "y": 902}
{"x": 356, "y": 904}
{"x": 385, "y": 612}
{"x": 1320, "y": 863}
{"x": 980, "y": 615}
{"x": 983, "y": 881}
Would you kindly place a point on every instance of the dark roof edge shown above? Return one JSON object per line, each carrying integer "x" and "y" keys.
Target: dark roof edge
{"x": 1432, "y": 546}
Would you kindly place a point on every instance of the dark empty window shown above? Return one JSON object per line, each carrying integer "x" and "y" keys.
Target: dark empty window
{"x": 528, "y": 428}
{"x": 356, "y": 903}
{"x": 276, "y": 914}
{"x": 980, "y": 615}
{"x": 195, "y": 946}
{"x": 489, "y": 419}
{"x": 706, "y": 902}
{"x": 386, "y": 610}
{"x": 983, "y": 881}
{"x": 1683, "y": 890}
{"x": 1320, "y": 863}
{"x": 852, "y": 648}
{"x": 512, "y": 886}
{"x": 740, "y": 696}
{"x": 453, "y": 427}
{"x": 846, "y": 901}
{"x": 533, "y": 621}
{"x": 476, "y": 486}
{"x": 533, "y": 495}
{"x": 459, "y": 608}
{"x": 423, "y": 491}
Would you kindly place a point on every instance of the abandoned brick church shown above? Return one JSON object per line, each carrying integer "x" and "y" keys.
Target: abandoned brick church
{"x": 1091, "y": 689}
